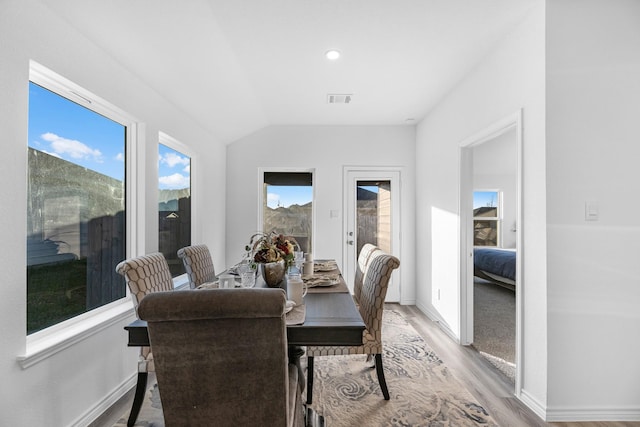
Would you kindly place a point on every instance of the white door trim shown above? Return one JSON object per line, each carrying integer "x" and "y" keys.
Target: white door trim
{"x": 513, "y": 121}
{"x": 351, "y": 174}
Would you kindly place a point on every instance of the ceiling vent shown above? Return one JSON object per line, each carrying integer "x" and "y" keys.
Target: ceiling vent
{"x": 339, "y": 98}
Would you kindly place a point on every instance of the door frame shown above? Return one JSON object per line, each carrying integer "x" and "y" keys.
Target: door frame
{"x": 511, "y": 122}
{"x": 351, "y": 174}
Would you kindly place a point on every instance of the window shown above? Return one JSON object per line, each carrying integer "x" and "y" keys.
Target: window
{"x": 76, "y": 210}
{"x": 288, "y": 205}
{"x": 373, "y": 216}
{"x": 486, "y": 218}
{"x": 174, "y": 202}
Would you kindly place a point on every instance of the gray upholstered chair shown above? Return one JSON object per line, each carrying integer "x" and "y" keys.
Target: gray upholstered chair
{"x": 374, "y": 292}
{"x": 221, "y": 357}
{"x": 144, "y": 275}
{"x": 361, "y": 267}
{"x": 198, "y": 264}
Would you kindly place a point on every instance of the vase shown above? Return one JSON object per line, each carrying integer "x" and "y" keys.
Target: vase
{"x": 273, "y": 273}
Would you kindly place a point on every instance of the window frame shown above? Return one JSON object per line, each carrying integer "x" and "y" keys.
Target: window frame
{"x": 44, "y": 343}
{"x": 182, "y": 281}
{"x": 499, "y": 213}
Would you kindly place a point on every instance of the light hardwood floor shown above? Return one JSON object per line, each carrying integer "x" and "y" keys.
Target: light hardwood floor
{"x": 492, "y": 389}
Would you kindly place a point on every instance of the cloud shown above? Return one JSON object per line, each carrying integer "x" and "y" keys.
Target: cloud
{"x": 175, "y": 181}
{"x": 71, "y": 147}
{"x": 119, "y": 157}
{"x": 172, "y": 159}
{"x": 187, "y": 169}
{"x": 272, "y": 199}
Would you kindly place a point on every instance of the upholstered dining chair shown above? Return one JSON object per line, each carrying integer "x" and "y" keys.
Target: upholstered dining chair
{"x": 371, "y": 307}
{"x": 221, "y": 357}
{"x": 144, "y": 275}
{"x": 198, "y": 264}
{"x": 361, "y": 266}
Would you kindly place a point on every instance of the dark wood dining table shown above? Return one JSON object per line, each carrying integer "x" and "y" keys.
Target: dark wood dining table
{"x": 331, "y": 319}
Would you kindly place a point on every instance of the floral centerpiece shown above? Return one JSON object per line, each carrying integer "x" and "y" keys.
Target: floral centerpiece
{"x": 274, "y": 253}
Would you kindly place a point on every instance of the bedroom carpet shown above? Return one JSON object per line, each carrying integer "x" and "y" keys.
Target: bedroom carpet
{"x": 495, "y": 325}
{"x": 346, "y": 391}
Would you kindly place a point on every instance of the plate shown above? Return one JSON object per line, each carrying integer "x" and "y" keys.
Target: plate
{"x": 325, "y": 267}
{"x": 209, "y": 285}
{"x": 289, "y": 306}
{"x": 312, "y": 282}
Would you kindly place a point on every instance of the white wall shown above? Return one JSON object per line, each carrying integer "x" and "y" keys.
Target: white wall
{"x": 593, "y": 152}
{"x": 509, "y": 79}
{"x": 327, "y": 149}
{"x": 71, "y": 385}
{"x": 494, "y": 168}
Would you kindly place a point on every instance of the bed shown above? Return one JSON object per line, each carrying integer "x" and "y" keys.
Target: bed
{"x": 495, "y": 265}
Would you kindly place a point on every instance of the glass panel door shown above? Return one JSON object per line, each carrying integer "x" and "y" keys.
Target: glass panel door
{"x": 372, "y": 216}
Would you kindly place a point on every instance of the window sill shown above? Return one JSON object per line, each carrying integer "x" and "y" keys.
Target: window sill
{"x": 45, "y": 344}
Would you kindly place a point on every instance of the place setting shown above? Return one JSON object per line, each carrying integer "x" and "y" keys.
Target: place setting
{"x": 324, "y": 266}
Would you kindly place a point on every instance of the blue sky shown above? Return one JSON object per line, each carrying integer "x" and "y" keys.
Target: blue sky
{"x": 174, "y": 169}
{"x": 288, "y": 195}
{"x": 62, "y": 128}
{"x": 485, "y": 198}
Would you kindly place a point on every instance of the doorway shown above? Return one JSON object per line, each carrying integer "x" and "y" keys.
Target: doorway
{"x": 490, "y": 164}
{"x": 372, "y": 201}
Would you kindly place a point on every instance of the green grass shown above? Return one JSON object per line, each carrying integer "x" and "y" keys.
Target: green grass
{"x": 55, "y": 292}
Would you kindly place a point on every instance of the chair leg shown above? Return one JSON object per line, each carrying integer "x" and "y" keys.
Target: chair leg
{"x": 141, "y": 389}
{"x": 309, "y": 379}
{"x": 313, "y": 419}
{"x": 381, "y": 380}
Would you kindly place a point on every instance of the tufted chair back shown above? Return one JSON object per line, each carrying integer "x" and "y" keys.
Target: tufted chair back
{"x": 144, "y": 275}
{"x": 361, "y": 267}
{"x": 198, "y": 264}
{"x": 372, "y": 297}
{"x": 205, "y": 344}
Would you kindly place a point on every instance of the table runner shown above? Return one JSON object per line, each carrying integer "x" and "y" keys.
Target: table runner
{"x": 340, "y": 287}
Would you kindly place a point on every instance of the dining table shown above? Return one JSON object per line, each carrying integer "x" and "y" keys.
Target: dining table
{"x": 330, "y": 316}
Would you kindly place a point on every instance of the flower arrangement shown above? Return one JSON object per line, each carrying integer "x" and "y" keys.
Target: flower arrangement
{"x": 273, "y": 247}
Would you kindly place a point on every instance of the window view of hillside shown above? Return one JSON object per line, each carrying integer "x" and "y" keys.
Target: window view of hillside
{"x": 486, "y": 217}
{"x": 288, "y": 205}
{"x": 373, "y": 199}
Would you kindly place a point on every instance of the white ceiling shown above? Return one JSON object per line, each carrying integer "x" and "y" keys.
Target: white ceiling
{"x": 239, "y": 65}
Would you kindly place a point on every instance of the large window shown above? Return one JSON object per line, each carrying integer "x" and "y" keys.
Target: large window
{"x": 288, "y": 205}
{"x": 486, "y": 218}
{"x": 76, "y": 218}
{"x": 174, "y": 202}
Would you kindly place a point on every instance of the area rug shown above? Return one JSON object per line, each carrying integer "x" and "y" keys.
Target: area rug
{"x": 346, "y": 391}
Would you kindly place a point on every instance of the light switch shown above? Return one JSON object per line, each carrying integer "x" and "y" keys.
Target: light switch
{"x": 591, "y": 211}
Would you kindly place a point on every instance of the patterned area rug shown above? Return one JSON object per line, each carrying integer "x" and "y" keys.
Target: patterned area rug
{"x": 346, "y": 391}
{"x": 423, "y": 391}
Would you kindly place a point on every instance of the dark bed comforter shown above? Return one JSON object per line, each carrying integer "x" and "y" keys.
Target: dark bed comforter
{"x": 500, "y": 262}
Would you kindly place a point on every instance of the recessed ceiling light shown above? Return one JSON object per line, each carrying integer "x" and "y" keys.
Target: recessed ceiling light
{"x": 332, "y": 54}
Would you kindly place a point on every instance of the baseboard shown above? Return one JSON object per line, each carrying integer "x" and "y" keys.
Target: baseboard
{"x": 109, "y": 400}
{"x": 435, "y": 317}
{"x": 566, "y": 414}
{"x": 532, "y": 403}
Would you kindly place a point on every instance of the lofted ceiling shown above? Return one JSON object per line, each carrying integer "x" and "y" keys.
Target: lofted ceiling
{"x": 237, "y": 66}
